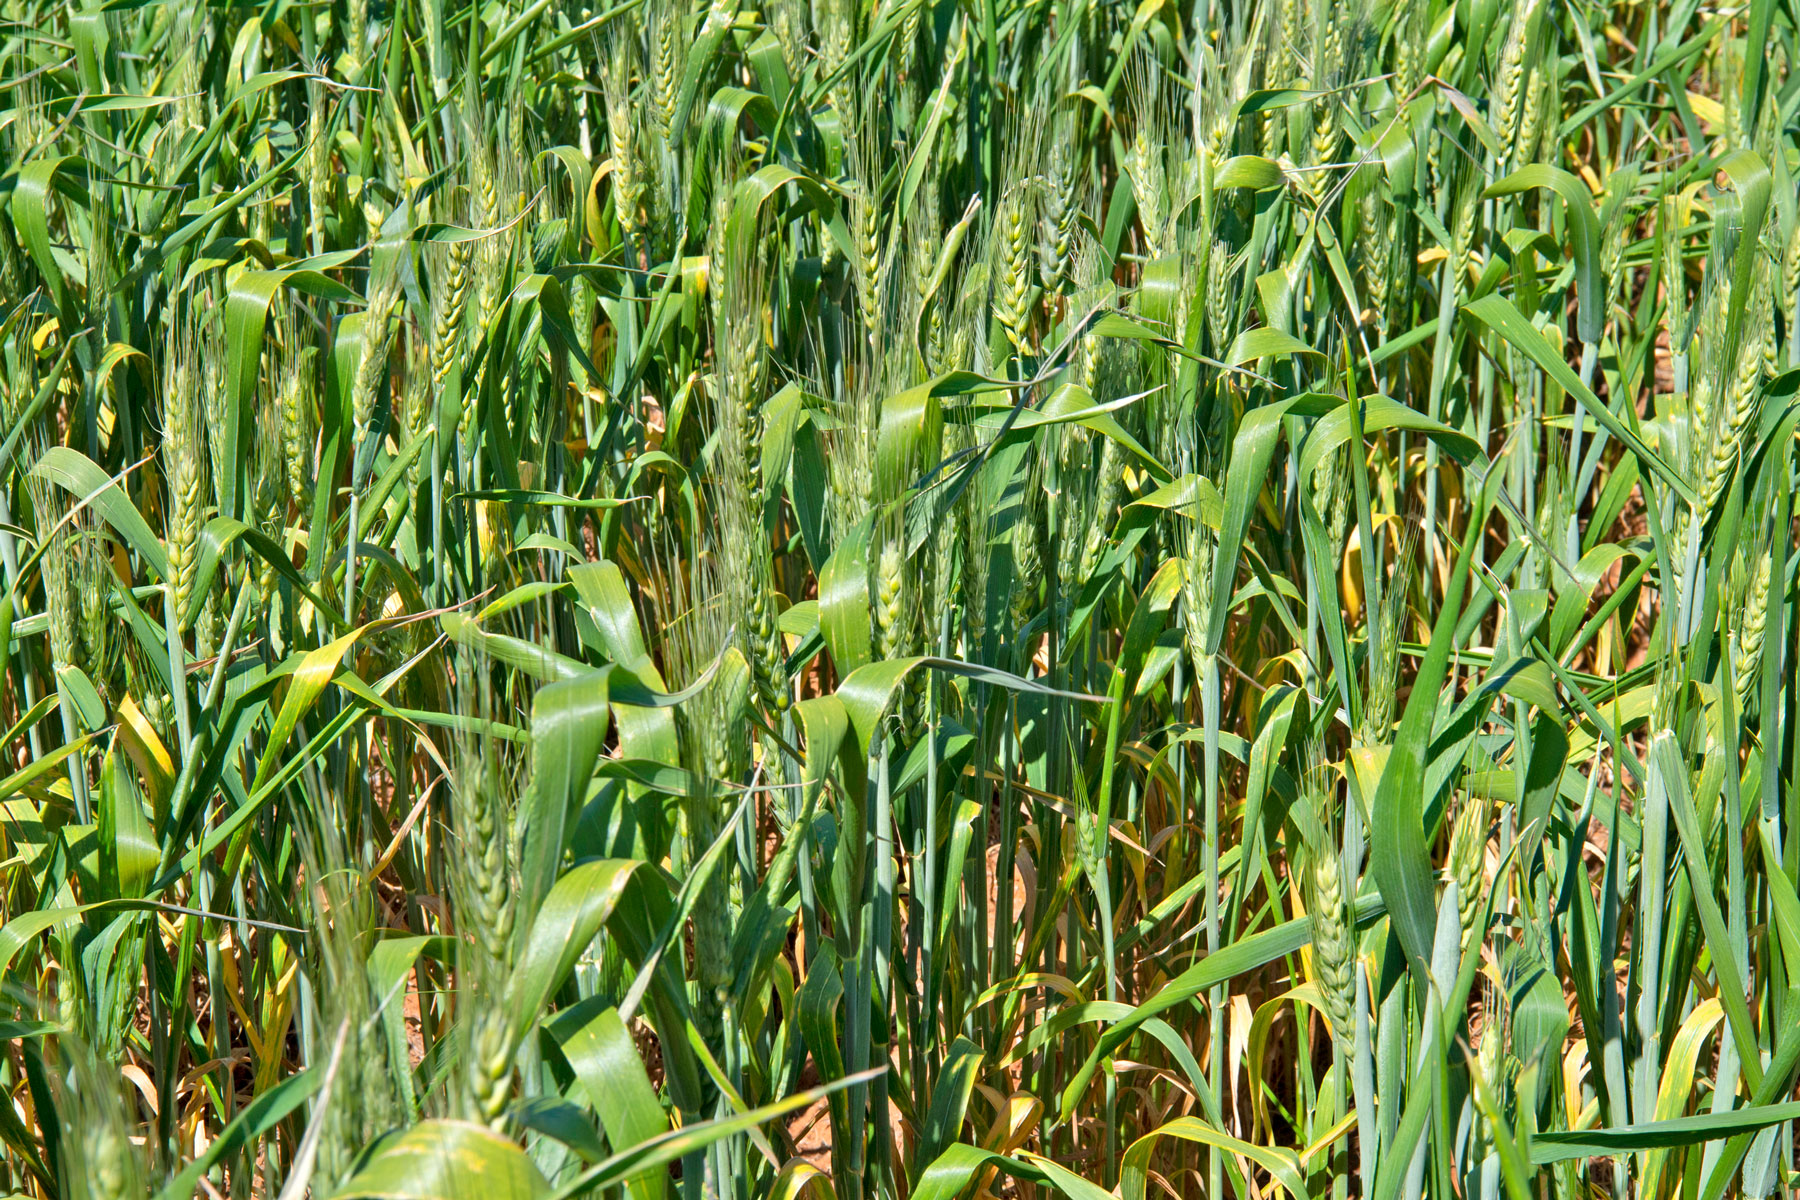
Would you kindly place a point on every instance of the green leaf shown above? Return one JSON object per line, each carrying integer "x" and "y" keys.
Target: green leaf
{"x": 1245, "y": 954}
{"x": 569, "y": 721}
{"x": 950, "y": 1174}
{"x": 844, "y": 601}
{"x": 445, "y": 1160}
{"x": 128, "y": 851}
{"x": 1659, "y": 1135}
{"x": 1584, "y": 227}
{"x": 1265, "y": 342}
{"x": 1497, "y": 313}
{"x": 31, "y": 217}
{"x": 390, "y": 962}
{"x": 83, "y": 479}
{"x": 949, "y": 1099}
{"x": 562, "y": 928}
{"x": 605, "y": 1060}
{"x": 246, "y": 317}
{"x": 678, "y": 1143}
{"x": 1134, "y": 1169}
{"x": 1399, "y": 862}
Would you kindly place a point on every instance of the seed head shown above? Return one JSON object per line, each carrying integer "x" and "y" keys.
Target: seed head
{"x": 1333, "y": 949}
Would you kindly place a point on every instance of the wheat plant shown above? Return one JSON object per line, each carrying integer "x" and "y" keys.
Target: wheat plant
{"x": 899, "y": 600}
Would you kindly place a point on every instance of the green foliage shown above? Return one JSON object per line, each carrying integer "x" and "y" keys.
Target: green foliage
{"x": 898, "y": 600}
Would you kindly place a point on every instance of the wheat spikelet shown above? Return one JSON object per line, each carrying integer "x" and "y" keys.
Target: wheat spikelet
{"x": 9, "y": 268}
{"x": 57, "y": 569}
{"x": 1510, "y": 85}
{"x": 514, "y": 166}
{"x": 294, "y": 402}
{"x": 1435, "y": 168}
{"x": 416, "y": 402}
{"x": 1221, "y": 270}
{"x": 668, "y": 51}
{"x": 1374, "y": 248}
{"x": 1538, "y": 102}
{"x": 1465, "y": 256}
{"x": 1013, "y": 287}
{"x": 1144, "y": 163}
{"x": 1332, "y": 949}
{"x": 184, "y": 467}
{"x": 356, "y": 38}
{"x": 909, "y": 39}
{"x": 1749, "y": 589}
{"x": 850, "y": 466}
{"x": 363, "y": 1102}
{"x": 481, "y": 887}
{"x": 1739, "y": 399}
{"x": 102, "y": 258}
{"x": 1409, "y": 44}
{"x": 789, "y": 21}
{"x": 1491, "y": 1057}
{"x": 1215, "y": 115}
{"x": 1111, "y": 486}
{"x": 1028, "y": 562}
{"x": 1327, "y": 67}
{"x": 449, "y": 299}
{"x": 1709, "y": 385}
{"x": 95, "y": 581}
{"x": 483, "y": 170}
{"x": 491, "y": 253}
{"x": 740, "y": 490}
{"x": 1333, "y": 943}
{"x": 838, "y": 29}
{"x": 867, "y": 210}
{"x": 1384, "y": 670}
{"x": 318, "y": 162}
{"x": 627, "y": 181}
{"x": 1109, "y": 374}
{"x": 268, "y": 494}
{"x": 1674, "y": 268}
{"x": 888, "y": 601}
{"x": 489, "y": 1065}
{"x": 100, "y": 1160}
{"x": 1290, "y": 37}
{"x": 861, "y": 151}
{"x": 190, "y": 107}
{"x": 973, "y": 523}
{"x": 1074, "y": 512}
{"x": 514, "y": 173}
{"x": 372, "y": 363}
{"x": 482, "y": 866}
{"x": 209, "y": 375}
{"x": 1468, "y": 851}
{"x": 974, "y": 585}
{"x": 110, "y": 1154}
{"x": 1330, "y": 487}
{"x": 924, "y": 245}
{"x": 1056, "y": 241}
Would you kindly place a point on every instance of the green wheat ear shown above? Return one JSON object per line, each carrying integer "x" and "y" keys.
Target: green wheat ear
{"x": 372, "y": 363}
{"x": 58, "y": 569}
{"x": 1468, "y": 851}
{"x": 1333, "y": 942}
{"x": 1749, "y": 618}
{"x": 183, "y": 465}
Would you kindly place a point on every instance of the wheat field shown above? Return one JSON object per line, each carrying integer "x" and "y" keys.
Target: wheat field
{"x": 899, "y": 600}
